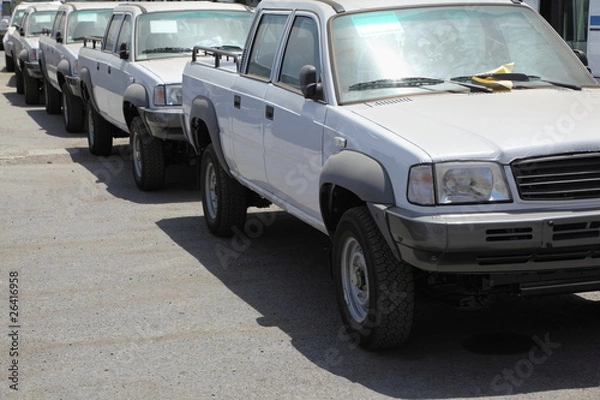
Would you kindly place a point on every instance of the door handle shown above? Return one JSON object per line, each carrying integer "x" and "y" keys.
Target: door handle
{"x": 269, "y": 112}
{"x": 237, "y": 101}
{"x": 97, "y": 66}
{"x": 109, "y": 69}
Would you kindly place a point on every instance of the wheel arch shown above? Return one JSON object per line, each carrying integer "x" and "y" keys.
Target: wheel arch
{"x": 204, "y": 128}
{"x": 134, "y": 98}
{"x": 350, "y": 179}
{"x": 63, "y": 69}
{"x": 85, "y": 82}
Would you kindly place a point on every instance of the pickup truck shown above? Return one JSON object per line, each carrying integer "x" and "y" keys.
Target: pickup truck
{"x": 131, "y": 78}
{"x": 25, "y": 49}
{"x": 59, "y": 49}
{"x": 446, "y": 147}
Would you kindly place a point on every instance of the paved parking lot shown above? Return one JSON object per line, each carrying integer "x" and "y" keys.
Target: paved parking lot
{"x": 119, "y": 294}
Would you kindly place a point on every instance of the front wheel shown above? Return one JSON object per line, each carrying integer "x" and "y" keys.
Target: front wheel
{"x": 52, "y": 98}
{"x": 147, "y": 153}
{"x": 31, "y": 87}
{"x": 73, "y": 110}
{"x": 19, "y": 81}
{"x": 223, "y": 198}
{"x": 99, "y": 132}
{"x": 375, "y": 291}
{"x": 10, "y": 64}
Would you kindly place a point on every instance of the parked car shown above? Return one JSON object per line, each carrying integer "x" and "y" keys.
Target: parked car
{"x": 59, "y": 51}
{"x": 37, "y": 19}
{"x": 16, "y": 19}
{"x": 450, "y": 146}
{"x": 5, "y": 15}
{"x": 131, "y": 78}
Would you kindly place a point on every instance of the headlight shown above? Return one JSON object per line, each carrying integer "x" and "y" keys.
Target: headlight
{"x": 167, "y": 95}
{"x": 458, "y": 183}
{"x": 33, "y": 55}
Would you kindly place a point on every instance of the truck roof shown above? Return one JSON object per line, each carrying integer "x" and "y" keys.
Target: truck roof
{"x": 87, "y": 5}
{"x": 354, "y": 5}
{"x": 157, "y": 6}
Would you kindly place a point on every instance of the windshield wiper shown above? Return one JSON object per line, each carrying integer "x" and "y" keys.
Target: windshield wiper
{"x": 413, "y": 82}
{"x": 168, "y": 50}
{"x": 519, "y": 77}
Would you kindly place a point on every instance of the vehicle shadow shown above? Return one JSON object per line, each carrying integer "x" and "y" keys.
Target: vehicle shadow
{"x": 115, "y": 173}
{"x": 279, "y": 266}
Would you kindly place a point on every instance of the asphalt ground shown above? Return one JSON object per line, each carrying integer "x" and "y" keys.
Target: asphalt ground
{"x": 119, "y": 294}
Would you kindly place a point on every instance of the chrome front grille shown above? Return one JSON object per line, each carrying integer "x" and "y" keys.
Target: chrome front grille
{"x": 566, "y": 177}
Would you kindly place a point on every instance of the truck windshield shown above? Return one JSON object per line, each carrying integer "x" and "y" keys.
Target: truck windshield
{"x": 87, "y": 23}
{"x": 445, "y": 43}
{"x": 167, "y": 34}
{"x": 38, "y": 21}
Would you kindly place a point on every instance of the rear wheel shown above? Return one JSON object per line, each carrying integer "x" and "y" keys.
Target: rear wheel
{"x": 147, "y": 153}
{"x": 223, "y": 198}
{"x": 52, "y": 98}
{"x": 10, "y": 65}
{"x": 375, "y": 291}
{"x": 31, "y": 87}
{"x": 73, "y": 110}
{"x": 99, "y": 132}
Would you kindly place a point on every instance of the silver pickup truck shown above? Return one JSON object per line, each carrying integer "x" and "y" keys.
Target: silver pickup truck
{"x": 131, "y": 77}
{"x": 25, "y": 49}
{"x": 59, "y": 50}
{"x": 446, "y": 146}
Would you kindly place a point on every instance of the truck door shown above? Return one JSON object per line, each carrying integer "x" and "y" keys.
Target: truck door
{"x": 99, "y": 71}
{"x": 248, "y": 112}
{"x": 117, "y": 76}
{"x": 294, "y": 125}
{"x": 51, "y": 54}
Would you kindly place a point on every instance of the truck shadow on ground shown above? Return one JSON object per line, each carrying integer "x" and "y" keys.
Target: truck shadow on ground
{"x": 280, "y": 267}
{"x": 115, "y": 174}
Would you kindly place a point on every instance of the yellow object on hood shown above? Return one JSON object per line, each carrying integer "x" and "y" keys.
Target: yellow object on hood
{"x": 493, "y": 83}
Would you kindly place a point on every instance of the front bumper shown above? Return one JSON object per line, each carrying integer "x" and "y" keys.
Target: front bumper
{"x": 164, "y": 123}
{"x": 498, "y": 242}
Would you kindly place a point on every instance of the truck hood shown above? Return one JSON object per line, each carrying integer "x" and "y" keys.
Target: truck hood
{"x": 500, "y": 126}
{"x": 166, "y": 70}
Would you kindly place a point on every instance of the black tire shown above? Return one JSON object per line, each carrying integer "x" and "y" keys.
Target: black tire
{"x": 148, "y": 157}
{"x": 19, "y": 81}
{"x": 223, "y": 198}
{"x": 31, "y": 87}
{"x": 375, "y": 291}
{"x": 73, "y": 110}
{"x": 52, "y": 98}
{"x": 10, "y": 65}
{"x": 99, "y": 132}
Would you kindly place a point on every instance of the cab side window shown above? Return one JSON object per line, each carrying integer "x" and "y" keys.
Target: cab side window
{"x": 111, "y": 33}
{"x": 301, "y": 49}
{"x": 58, "y": 22}
{"x": 124, "y": 38}
{"x": 262, "y": 53}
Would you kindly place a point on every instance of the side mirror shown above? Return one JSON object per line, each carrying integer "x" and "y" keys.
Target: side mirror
{"x": 582, "y": 56}
{"x": 123, "y": 51}
{"x": 59, "y": 38}
{"x": 21, "y": 31}
{"x": 310, "y": 87}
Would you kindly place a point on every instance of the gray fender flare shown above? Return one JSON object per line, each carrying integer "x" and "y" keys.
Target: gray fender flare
{"x": 136, "y": 95}
{"x": 63, "y": 69}
{"x": 360, "y": 174}
{"x": 366, "y": 178}
{"x": 203, "y": 109}
{"x": 85, "y": 80}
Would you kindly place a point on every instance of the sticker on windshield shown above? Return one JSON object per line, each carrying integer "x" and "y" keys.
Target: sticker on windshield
{"x": 87, "y": 17}
{"x": 376, "y": 24}
{"x": 43, "y": 18}
{"x": 163, "y": 26}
